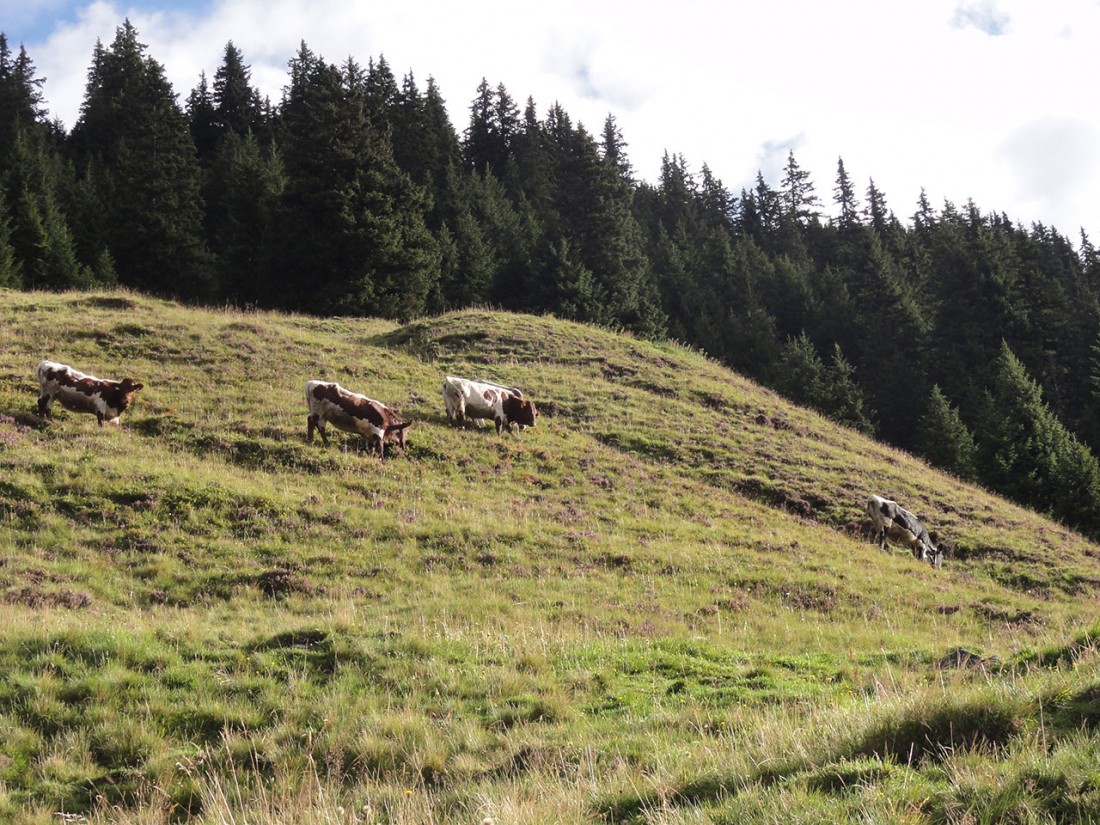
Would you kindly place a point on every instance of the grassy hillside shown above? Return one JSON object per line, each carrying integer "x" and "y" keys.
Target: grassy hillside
{"x": 656, "y": 606}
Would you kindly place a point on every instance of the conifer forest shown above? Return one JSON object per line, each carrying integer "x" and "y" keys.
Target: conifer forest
{"x": 952, "y": 332}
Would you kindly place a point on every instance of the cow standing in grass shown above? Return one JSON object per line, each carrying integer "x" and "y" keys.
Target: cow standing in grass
{"x": 351, "y": 412}
{"x": 889, "y": 520}
{"x": 482, "y": 400}
{"x": 78, "y": 392}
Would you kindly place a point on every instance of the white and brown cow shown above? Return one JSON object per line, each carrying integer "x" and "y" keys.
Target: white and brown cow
{"x": 353, "y": 413}
{"x": 889, "y": 520}
{"x": 75, "y": 391}
{"x": 482, "y": 400}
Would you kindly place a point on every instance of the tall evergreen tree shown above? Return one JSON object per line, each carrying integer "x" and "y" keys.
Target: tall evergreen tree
{"x": 202, "y": 119}
{"x": 1026, "y": 453}
{"x": 132, "y": 141}
{"x": 844, "y": 196}
{"x": 11, "y": 275}
{"x": 943, "y": 438}
{"x": 237, "y": 104}
{"x": 800, "y": 204}
{"x": 494, "y": 127}
{"x": 34, "y": 182}
{"x": 22, "y": 106}
{"x": 351, "y": 223}
{"x": 240, "y": 216}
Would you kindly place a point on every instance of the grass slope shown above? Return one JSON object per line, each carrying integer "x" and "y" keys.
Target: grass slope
{"x": 656, "y": 606}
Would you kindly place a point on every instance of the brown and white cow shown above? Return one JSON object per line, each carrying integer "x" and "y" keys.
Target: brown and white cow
{"x": 889, "y": 520}
{"x": 353, "y": 413}
{"x": 481, "y": 400}
{"x": 75, "y": 391}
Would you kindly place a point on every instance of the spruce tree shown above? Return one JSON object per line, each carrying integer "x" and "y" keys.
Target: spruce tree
{"x": 1026, "y": 453}
{"x": 943, "y": 438}
{"x": 133, "y": 144}
{"x": 203, "y": 120}
{"x": 351, "y": 236}
{"x": 11, "y": 276}
{"x": 241, "y": 209}
{"x": 844, "y": 196}
{"x": 237, "y": 104}
{"x": 845, "y": 400}
{"x": 800, "y": 204}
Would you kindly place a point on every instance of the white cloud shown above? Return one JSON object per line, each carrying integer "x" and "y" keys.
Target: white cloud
{"x": 913, "y": 94}
{"x": 983, "y": 15}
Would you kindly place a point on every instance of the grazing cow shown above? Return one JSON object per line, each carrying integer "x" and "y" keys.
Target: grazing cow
{"x": 889, "y": 520}
{"x": 78, "y": 392}
{"x": 479, "y": 400}
{"x": 353, "y": 413}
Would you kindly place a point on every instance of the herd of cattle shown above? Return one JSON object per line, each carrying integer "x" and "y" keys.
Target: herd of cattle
{"x": 329, "y": 403}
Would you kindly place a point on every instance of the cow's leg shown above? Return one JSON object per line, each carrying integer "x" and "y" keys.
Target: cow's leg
{"x": 45, "y": 402}
{"x": 311, "y": 425}
{"x": 99, "y": 417}
{"x": 499, "y": 423}
{"x": 322, "y": 431}
{"x": 882, "y": 539}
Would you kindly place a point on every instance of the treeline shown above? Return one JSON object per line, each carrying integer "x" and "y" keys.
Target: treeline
{"x": 954, "y": 333}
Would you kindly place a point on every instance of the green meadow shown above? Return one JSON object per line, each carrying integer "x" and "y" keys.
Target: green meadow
{"x": 660, "y": 605}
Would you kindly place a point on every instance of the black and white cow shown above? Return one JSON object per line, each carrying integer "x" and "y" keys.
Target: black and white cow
{"x": 889, "y": 520}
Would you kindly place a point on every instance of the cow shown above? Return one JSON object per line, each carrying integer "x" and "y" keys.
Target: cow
{"x": 82, "y": 393}
{"x": 351, "y": 412}
{"x": 889, "y": 520}
{"x": 482, "y": 400}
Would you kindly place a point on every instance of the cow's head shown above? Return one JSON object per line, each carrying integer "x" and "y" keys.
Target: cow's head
{"x": 120, "y": 394}
{"x": 520, "y": 411}
{"x": 395, "y": 432}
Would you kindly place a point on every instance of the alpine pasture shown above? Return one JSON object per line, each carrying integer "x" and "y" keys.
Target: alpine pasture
{"x": 657, "y": 606}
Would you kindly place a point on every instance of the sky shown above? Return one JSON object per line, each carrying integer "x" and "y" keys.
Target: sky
{"x": 995, "y": 101}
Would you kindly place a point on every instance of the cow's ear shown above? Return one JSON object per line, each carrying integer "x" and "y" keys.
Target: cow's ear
{"x": 138, "y": 387}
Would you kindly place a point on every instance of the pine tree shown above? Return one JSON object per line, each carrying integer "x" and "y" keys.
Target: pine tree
{"x": 241, "y": 210}
{"x": 800, "y": 204}
{"x": 844, "y": 196}
{"x": 202, "y": 120}
{"x": 237, "y": 104}
{"x": 11, "y": 275}
{"x": 39, "y": 231}
{"x": 878, "y": 215}
{"x": 133, "y": 143}
{"x": 845, "y": 401}
{"x": 1026, "y": 453}
{"x": 34, "y": 182}
{"x": 351, "y": 232}
{"x": 943, "y": 438}
{"x": 494, "y": 128}
{"x": 803, "y": 373}
{"x": 21, "y": 102}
